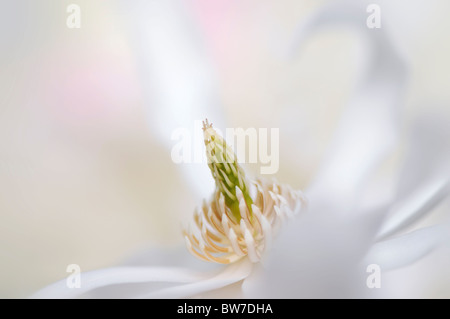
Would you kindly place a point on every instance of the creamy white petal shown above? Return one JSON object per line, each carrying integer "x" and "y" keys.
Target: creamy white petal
{"x": 118, "y": 275}
{"x": 425, "y": 278}
{"x": 177, "y": 78}
{"x": 427, "y": 154}
{"x": 417, "y": 205}
{"x": 315, "y": 256}
{"x": 368, "y": 128}
{"x": 166, "y": 256}
{"x": 231, "y": 274}
{"x": 406, "y": 249}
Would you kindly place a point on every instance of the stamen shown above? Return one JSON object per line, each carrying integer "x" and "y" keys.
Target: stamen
{"x": 207, "y": 237}
{"x": 222, "y": 204}
{"x": 282, "y": 199}
{"x": 239, "y": 194}
{"x": 225, "y": 225}
{"x": 257, "y": 212}
{"x": 243, "y": 209}
{"x": 234, "y": 243}
{"x": 251, "y": 248}
{"x": 243, "y": 215}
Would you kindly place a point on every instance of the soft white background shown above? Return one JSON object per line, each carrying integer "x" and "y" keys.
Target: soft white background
{"x": 83, "y": 177}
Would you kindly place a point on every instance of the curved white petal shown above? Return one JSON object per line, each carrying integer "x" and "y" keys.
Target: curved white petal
{"x": 314, "y": 257}
{"x": 167, "y": 256}
{"x": 118, "y": 275}
{"x": 231, "y": 274}
{"x": 418, "y": 204}
{"x": 428, "y": 152}
{"x": 177, "y": 78}
{"x": 406, "y": 249}
{"x": 367, "y": 130}
{"x": 426, "y": 278}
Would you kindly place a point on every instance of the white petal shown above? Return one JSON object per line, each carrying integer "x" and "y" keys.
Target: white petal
{"x": 415, "y": 206}
{"x": 230, "y": 275}
{"x": 118, "y": 275}
{"x": 165, "y": 256}
{"x": 313, "y": 257}
{"x": 406, "y": 249}
{"x": 367, "y": 130}
{"x": 177, "y": 77}
{"x": 428, "y": 152}
{"x": 426, "y": 278}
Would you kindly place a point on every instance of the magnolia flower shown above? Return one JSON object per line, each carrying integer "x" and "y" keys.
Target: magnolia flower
{"x": 323, "y": 251}
{"x": 353, "y": 219}
{"x": 236, "y": 226}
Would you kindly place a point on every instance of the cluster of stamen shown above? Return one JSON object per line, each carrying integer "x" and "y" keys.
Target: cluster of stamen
{"x": 242, "y": 216}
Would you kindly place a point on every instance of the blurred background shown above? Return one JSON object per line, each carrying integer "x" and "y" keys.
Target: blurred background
{"x": 86, "y": 175}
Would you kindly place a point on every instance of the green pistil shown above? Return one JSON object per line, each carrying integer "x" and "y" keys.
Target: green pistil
{"x": 227, "y": 173}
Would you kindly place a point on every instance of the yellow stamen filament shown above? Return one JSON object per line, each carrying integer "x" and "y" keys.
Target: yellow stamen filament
{"x": 222, "y": 239}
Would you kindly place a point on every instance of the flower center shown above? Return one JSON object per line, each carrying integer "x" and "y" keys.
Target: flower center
{"x": 242, "y": 216}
